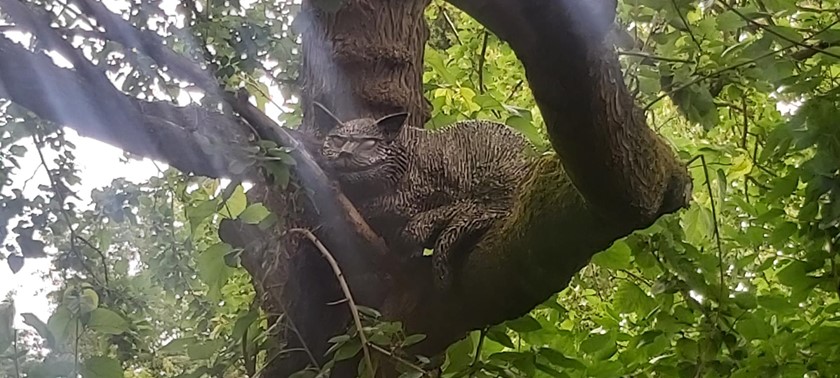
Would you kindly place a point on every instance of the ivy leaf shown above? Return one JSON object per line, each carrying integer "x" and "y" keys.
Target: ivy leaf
{"x": 15, "y": 262}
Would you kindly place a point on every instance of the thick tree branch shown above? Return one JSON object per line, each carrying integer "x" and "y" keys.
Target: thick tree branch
{"x": 155, "y": 130}
{"x": 620, "y": 166}
{"x": 148, "y": 43}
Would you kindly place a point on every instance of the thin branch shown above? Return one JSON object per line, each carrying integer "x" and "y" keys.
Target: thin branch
{"x": 354, "y": 310}
{"x": 481, "y": 59}
{"x": 400, "y": 360}
{"x": 514, "y": 90}
{"x": 38, "y": 145}
{"x": 15, "y": 356}
{"x": 716, "y": 226}
{"x": 712, "y": 74}
{"x": 777, "y": 34}
{"x": 645, "y": 55}
{"x": 98, "y": 251}
{"x": 450, "y": 24}
{"x": 687, "y": 26}
{"x": 746, "y": 122}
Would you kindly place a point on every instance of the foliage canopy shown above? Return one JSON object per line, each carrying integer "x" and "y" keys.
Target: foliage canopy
{"x": 744, "y": 283}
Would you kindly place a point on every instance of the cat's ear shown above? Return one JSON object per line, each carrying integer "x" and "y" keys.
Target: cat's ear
{"x": 392, "y": 123}
{"x": 324, "y": 119}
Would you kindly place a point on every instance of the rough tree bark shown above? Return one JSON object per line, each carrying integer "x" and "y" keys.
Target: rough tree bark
{"x": 610, "y": 176}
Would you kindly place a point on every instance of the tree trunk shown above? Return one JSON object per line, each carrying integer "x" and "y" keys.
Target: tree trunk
{"x": 365, "y": 60}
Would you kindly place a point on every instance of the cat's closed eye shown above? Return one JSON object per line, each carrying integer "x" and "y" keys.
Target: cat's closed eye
{"x": 337, "y": 140}
{"x": 367, "y": 144}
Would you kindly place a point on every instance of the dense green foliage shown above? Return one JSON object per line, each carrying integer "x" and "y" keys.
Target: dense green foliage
{"x": 744, "y": 283}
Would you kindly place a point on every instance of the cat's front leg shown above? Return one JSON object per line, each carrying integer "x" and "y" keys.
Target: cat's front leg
{"x": 457, "y": 240}
{"x": 424, "y": 228}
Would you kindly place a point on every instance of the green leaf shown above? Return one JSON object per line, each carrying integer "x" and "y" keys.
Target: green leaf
{"x": 235, "y": 204}
{"x": 102, "y": 367}
{"x": 524, "y": 324}
{"x": 204, "y": 350}
{"x": 526, "y": 127}
{"x": 413, "y": 339}
{"x": 753, "y": 328}
{"x": 458, "y": 355}
{"x": 782, "y": 233}
{"x": 212, "y": 268}
{"x": 177, "y": 346}
{"x": 106, "y": 321}
{"x": 62, "y": 324}
{"x": 617, "y": 257}
{"x": 348, "y": 350}
{"x": 561, "y": 360}
{"x": 40, "y": 327}
{"x": 631, "y": 298}
{"x": 499, "y": 335}
{"x": 81, "y": 301}
{"x": 596, "y": 342}
{"x": 254, "y": 214}
{"x": 698, "y": 224}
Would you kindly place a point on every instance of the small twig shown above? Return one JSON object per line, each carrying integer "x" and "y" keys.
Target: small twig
{"x": 450, "y": 24}
{"x": 514, "y": 90}
{"x": 38, "y": 144}
{"x": 34, "y": 173}
{"x": 101, "y": 255}
{"x": 756, "y": 183}
{"x": 746, "y": 123}
{"x": 634, "y": 275}
{"x": 15, "y": 357}
{"x": 481, "y": 60}
{"x": 687, "y": 26}
{"x": 642, "y": 54}
{"x": 736, "y": 66}
{"x": 777, "y": 34}
{"x": 712, "y": 74}
{"x": 715, "y": 222}
{"x": 354, "y": 310}
{"x": 399, "y": 359}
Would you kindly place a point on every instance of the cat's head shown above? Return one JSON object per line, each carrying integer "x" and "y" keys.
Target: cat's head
{"x": 362, "y": 151}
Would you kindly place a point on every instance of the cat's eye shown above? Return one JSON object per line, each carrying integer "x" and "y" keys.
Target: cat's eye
{"x": 337, "y": 140}
{"x": 367, "y": 144}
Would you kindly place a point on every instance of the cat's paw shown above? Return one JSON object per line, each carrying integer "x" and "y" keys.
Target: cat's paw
{"x": 443, "y": 279}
